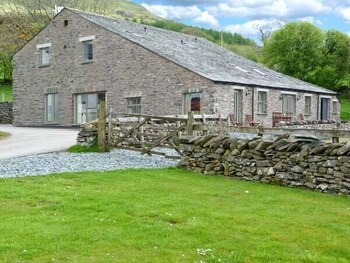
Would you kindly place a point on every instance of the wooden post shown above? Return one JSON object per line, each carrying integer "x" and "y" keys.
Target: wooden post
{"x": 102, "y": 125}
{"x": 190, "y": 122}
{"x": 110, "y": 128}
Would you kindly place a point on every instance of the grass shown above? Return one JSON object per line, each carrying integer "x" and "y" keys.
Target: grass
{"x": 7, "y": 91}
{"x": 167, "y": 215}
{"x": 345, "y": 108}
{"x": 83, "y": 149}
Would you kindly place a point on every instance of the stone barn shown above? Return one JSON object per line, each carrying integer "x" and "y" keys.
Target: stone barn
{"x": 61, "y": 74}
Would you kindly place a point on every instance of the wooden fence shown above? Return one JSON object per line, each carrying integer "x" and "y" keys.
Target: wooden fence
{"x": 195, "y": 125}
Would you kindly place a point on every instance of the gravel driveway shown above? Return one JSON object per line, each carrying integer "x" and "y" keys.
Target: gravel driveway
{"x": 43, "y": 164}
{"x": 27, "y": 141}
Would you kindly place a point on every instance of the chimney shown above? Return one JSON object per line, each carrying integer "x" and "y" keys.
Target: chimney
{"x": 58, "y": 9}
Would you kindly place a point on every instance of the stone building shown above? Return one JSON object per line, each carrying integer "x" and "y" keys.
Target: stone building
{"x": 62, "y": 72}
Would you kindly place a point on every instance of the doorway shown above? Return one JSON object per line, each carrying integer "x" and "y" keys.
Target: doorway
{"x": 86, "y": 107}
{"x": 324, "y": 109}
{"x": 238, "y": 106}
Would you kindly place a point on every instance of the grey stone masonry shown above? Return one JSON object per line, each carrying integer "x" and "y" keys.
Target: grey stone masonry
{"x": 311, "y": 165}
{"x": 151, "y": 64}
{"x": 6, "y": 115}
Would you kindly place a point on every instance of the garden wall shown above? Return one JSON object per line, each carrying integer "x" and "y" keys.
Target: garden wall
{"x": 306, "y": 164}
{"x": 6, "y": 113}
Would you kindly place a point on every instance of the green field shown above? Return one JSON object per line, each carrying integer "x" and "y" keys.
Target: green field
{"x": 5, "y": 93}
{"x": 345, "y": 108}
{"x": 167, "y": 215}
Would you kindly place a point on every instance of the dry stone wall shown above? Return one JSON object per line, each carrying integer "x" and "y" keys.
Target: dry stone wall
{"x": 312, "y": 165}
{"x": 6, "y": 114}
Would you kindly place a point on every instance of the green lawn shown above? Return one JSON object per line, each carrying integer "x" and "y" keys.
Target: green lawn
{"x": 3, "y": 135}
{"x": 345, "y": 108}
{"x": 167, "y": 215}
{"x": 7, "y": 91}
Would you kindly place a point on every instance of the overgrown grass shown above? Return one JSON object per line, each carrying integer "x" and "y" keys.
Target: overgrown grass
{"x": 7, "y": 92}
{"x": 345, "y": 108}
{"x": 167, "y": 215}
{"x": 83, "y": 149}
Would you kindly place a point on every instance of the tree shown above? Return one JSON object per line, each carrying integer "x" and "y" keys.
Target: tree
{"x": 295, "y": 50}
{"x": 302, "y": 50}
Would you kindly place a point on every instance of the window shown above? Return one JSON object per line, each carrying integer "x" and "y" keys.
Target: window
{"x": 192, "y": 103}
{"x": 88, "y": 50}
{"x": 262, "y": 99}
{"x": 52, "y": 108}
{"x": 134, "y": 105}
{"x": 44, "y": 56}
{"x": 335, "y": 107}
{"x": 86, "y": 107}
{"x": 307, "y": 105}
{"x": 288, "y": 104}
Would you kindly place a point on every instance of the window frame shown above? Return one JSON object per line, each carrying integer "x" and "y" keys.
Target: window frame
{"x": 41, "y": 56}
{"x": 187, "y": 102}
{"x": 308, "y": 108}
{"x": 54, "y": 107}
{"x": 335, "y": 108}
{"x": 285, "y": 98}
{"x": 262, "y": 102}
{"x": 86, "y": 44}
{"x": 134, "y": 108}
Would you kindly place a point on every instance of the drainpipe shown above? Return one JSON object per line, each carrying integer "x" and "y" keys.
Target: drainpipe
{"x": 253, "y": 103}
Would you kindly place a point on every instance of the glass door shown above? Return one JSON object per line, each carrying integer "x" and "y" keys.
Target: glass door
{"x": 86, "y": 107}
{"x": 324, "y": 109}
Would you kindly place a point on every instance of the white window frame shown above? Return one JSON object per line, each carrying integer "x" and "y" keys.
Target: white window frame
{"x": 86, "y": 54}
{"x": 134, "y": 105}
{"x": 41, "y": 48}
{"x": 51, "y": 115}
{"x": 285, "y": 97}
{"x": 308, "y": 108}
{"x": 262, "y": 102}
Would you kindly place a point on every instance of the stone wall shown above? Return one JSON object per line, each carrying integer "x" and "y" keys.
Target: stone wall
{"x": 307, "y": 164}
{"x": 6, "y": 114}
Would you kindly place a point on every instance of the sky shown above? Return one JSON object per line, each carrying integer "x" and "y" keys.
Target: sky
{"x": 248, "y": 16}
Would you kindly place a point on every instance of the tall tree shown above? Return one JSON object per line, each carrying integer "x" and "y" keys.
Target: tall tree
{"x": 304, "y": 51}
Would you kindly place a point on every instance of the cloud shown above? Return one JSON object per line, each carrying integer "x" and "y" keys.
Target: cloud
{"x": 174, "y": 12}
{"x": 345, "y": 13}
{"x": 206, "y": 18}
{"x": 268, "y": 8}
{"x": 252, "y": 28}
{"x": 311, "y": 20}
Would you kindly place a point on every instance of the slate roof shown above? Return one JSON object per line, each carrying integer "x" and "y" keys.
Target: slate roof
{"x": 201, "y": 56}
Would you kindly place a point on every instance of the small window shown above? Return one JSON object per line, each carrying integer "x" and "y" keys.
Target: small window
{"x": 262, "y": 102}
{"x": 52, "y": 108}
{"x": 88, "y": 50}
{"x": 193, "y": 103}
{"x": 65, "y": 22}
{"x": 44, "y": 56}
{"x": 335, "y": 107}
{"x": 307, "y": 105}
{"x": 288, "y": 104}
{"x": 134, "y": 105}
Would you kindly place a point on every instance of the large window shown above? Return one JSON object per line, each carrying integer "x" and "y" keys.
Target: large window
{"x": 262, "y": 102}
{"x": 134, "y": 105}
{"x": 52, "y": 108}
{"x": 289, "y": 104}
{"x": 192, "y": 102}
{"x": 88, "y": 51}
{"x": 44, "y": 56}
{"x": 307, "y": 105}
{"x": 86, "y": 107}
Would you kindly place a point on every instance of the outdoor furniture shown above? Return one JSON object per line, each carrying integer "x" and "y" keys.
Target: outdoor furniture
{"x": 250, "y": 121}
{"x": 279, "y": 116}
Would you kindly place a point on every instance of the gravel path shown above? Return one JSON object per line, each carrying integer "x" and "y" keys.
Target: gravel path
{"x": 71, "y": 162}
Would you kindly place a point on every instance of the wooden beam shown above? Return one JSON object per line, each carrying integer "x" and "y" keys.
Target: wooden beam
{"x": 131, "y": 131}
